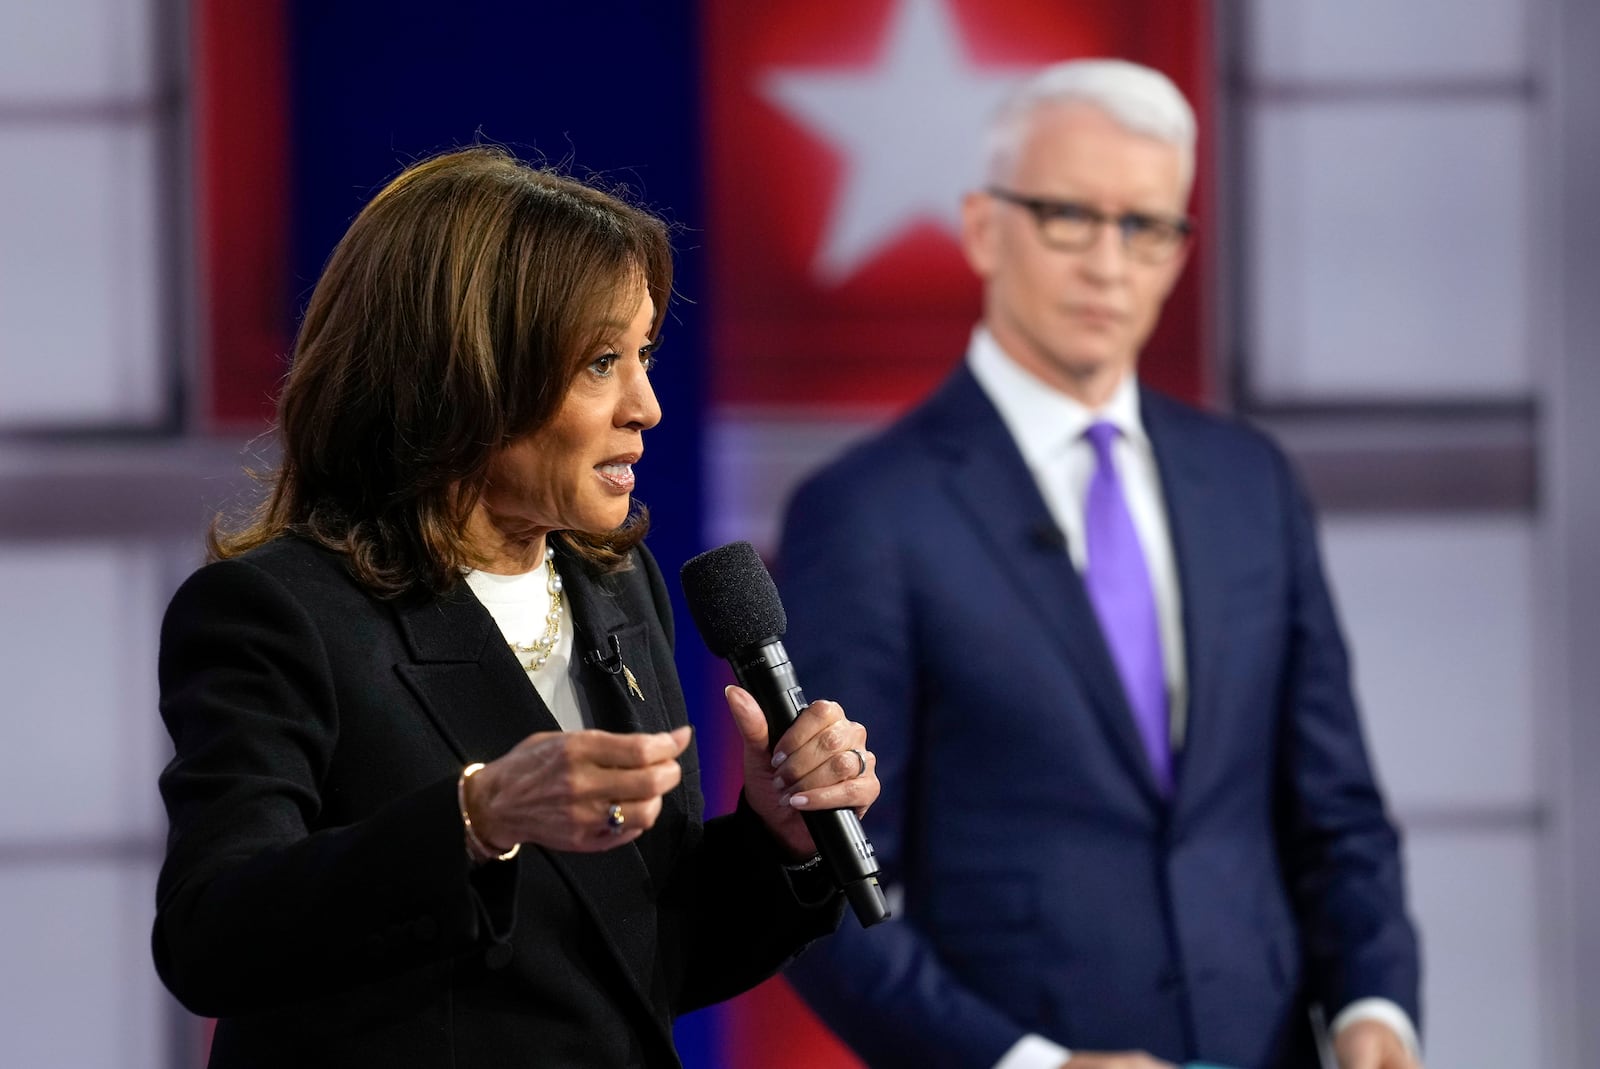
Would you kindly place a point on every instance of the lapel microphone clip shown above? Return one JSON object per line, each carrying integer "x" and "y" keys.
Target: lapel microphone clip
{"x": 613, "y": 663}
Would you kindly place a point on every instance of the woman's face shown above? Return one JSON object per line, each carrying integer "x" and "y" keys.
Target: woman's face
{"x": 576, "y": 472}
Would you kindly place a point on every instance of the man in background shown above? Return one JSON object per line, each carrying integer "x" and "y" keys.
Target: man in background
{"x": 1125, "y": 793}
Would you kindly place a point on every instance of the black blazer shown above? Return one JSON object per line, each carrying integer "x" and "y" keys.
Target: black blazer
{"x": 316, "y": 895}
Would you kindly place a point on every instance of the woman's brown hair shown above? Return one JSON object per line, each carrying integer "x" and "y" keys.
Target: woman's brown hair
{"x": 449, "y": 321}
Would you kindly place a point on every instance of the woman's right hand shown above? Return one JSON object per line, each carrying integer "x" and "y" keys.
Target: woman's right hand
{"x": 557, "y": 789}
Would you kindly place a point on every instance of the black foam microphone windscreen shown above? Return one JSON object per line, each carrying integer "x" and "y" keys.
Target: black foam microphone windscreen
{"x": 736, "y": 608}
{"x": 732, "y": 598}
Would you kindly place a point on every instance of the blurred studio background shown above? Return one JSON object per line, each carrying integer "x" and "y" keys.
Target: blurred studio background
{"x": 1398, "y": 274}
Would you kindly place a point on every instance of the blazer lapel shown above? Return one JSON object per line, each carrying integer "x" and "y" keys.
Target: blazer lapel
{"x": 993, "y": 487}
{"x": 466, "y": 678}
{"x": 1186, "y": 487}
{"x": 616, "y": 671}
{"x": 480, "y": 699}
{"x": 617, "y": 675}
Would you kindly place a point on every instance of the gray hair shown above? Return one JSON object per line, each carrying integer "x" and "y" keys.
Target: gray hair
{"x": 1137, "y": 98}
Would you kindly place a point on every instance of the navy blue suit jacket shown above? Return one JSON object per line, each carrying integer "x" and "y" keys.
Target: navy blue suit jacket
{"x": 1048, "y": 886}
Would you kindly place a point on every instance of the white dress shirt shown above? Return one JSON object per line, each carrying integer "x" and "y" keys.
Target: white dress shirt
{"x": 1048, "y": 428}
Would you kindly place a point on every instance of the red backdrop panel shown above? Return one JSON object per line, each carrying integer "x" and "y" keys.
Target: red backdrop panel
{"x": 786, "y": 339}
{"x": 242, "y": 159}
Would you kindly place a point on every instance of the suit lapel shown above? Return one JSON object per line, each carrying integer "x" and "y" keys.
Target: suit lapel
{"x": 480, "y": 699}
{"x": 1190, "y": 503}
{"x": 992, "y": 486}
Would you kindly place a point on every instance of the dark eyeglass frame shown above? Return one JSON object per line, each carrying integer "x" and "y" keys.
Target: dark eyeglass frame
{"x": 1151, "y": 238}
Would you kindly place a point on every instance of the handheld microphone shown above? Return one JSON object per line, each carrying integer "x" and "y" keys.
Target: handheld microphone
{"x": 738, "y": 613}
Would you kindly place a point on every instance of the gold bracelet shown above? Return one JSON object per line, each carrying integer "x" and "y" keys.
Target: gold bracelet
{"x": 477, "y": 849}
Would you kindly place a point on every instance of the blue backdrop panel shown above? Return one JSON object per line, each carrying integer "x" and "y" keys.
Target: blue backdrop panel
{"x": 607, "y": 87}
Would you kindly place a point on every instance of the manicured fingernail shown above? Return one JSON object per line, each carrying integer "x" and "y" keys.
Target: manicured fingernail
{"x": 778, "y": 758}
{"x": 797, "y": 800}
{"x": 777, "y": 783}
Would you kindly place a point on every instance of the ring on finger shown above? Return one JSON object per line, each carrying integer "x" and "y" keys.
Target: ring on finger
{"x": 614, "y": 818}
{"x": 861, "y": 757}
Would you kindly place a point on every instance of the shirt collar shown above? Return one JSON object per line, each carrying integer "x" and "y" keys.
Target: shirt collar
{"x": 1042, "y": 420}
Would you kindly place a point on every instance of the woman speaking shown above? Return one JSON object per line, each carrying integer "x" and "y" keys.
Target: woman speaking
{"x": 434, "y": 800}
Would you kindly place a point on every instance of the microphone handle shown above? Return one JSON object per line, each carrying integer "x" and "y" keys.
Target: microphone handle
{"x": 767, "y": 673}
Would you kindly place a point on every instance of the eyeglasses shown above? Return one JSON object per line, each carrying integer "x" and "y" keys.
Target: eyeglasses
{"x": 1073, "y": 227}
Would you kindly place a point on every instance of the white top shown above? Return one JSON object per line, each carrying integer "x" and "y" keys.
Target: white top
{"x": 520, "y": 605}
{"x": 1048, "y": 427}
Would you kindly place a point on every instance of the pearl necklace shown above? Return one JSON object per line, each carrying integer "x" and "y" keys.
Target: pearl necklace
{"x": 543, "y": 646}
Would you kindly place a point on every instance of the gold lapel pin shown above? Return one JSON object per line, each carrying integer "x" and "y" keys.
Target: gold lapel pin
{"x": 614, "y": 664}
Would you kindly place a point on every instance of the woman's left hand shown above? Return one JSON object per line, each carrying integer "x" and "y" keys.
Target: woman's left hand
{"x": 821, "y": 762}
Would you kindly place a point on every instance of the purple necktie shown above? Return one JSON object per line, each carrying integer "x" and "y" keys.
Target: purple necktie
{"x": 1119, "y": 586}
